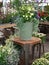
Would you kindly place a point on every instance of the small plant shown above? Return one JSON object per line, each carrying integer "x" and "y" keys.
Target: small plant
{"x": 41, "y": 61}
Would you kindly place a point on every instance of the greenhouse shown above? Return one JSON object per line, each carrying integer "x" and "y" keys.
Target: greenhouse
{"x": 24, "y": 32}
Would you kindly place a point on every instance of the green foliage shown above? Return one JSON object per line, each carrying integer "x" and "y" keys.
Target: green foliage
{"x": 41, "y": 61}
{"x": 25, "y": 11}
{"x": 35, "y": 25}
{"x": 46, "y": 55}
{"x": 18, "y": 47}
{"x": 25, "y": 14}
{"x": 7, "y": 18}
{"x": 47, "y": 18}
{"x": 8, "y": 55}
{"x": 40, "y": 35}
{"x": 3, "y": 55}
{"x": 16, "y": 4}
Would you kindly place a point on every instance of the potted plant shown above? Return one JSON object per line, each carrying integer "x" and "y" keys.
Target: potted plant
{"x": 24, "y": 20}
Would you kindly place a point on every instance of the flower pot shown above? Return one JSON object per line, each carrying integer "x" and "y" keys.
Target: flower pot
{"x": 26, "y": 31}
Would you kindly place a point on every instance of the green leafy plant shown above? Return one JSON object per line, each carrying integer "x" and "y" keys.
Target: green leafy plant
{"x": 35, "y": 25}
{"x": 47, "y": 18}
{"x": 46, "y": 55}
{"x": 25, "y": 12}
{"x": 41, "y": 61}
{"x": 8, "y": 55}
{"x": 7, "y": 18}
{"x": 43, "y": 15}
{"x": 1, "y": 18}
{"x": 3, "y": 54}
{"x": 16, "y": 4}
{"x": 25, "y": 18}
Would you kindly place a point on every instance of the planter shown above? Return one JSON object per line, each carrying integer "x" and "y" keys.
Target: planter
{"x": 26, "y": 31}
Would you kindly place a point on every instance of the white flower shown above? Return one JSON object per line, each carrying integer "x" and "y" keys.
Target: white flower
{"x": 30, "y": 16}
{"x": 1, "y": 46}
{"x": 3, "y": 50}
{"x": 33, "y": 9}
{"x": 23, "y": 15}
{"x": 26, "y": 16}
{"x": 28, "y": 11}
{"x": 29, "y": 8}
{"x": 9, "y": 50}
